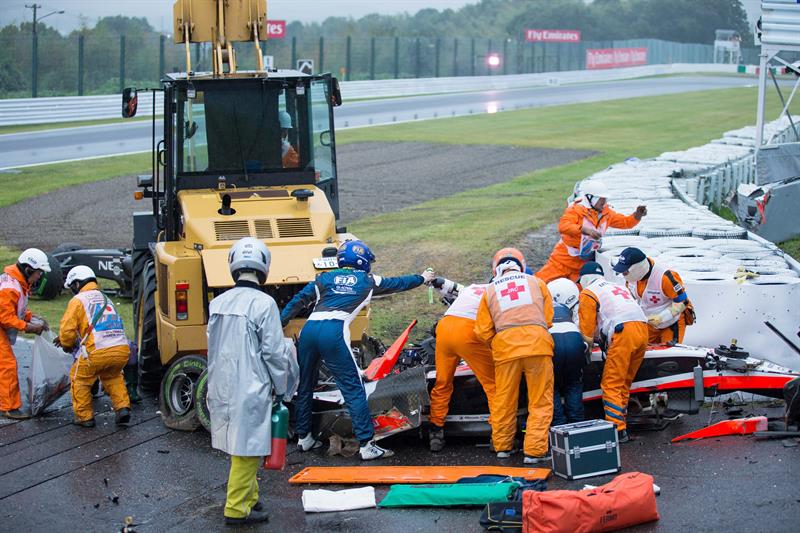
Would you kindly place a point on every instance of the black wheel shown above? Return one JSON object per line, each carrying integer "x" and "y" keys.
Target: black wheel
{"x": 139, "y": 260}
{"x": 52, "y": 282}
{"x": 200, "y": 404}
{"x": 177, "y": 397}
{"x": 150, "y": 368}
{"x": 66, "y": 247}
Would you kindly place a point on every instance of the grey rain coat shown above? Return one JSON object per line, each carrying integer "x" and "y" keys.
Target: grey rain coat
{"x": 248, "y": 357}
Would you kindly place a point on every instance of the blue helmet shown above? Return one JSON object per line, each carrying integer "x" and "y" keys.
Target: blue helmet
{"x": 355, "y": 254}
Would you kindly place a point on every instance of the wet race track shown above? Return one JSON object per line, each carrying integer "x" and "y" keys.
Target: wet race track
{"x": 54, "y": 475}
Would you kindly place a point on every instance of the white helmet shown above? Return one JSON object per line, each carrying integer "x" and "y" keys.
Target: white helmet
{"x": 593, "y": 190}
{"x": 285, "y": 120}
{"x": 564, "y": 292}
{"x": 249, "y": 254}
{"x": 34, "y": 258}
{"x": 79, "y": 273}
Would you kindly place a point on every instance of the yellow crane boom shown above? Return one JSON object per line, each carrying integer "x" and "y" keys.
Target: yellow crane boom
{"x": 220, "y": 22}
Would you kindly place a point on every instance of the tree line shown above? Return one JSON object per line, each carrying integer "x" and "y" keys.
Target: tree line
{"x": 61, "y": 62}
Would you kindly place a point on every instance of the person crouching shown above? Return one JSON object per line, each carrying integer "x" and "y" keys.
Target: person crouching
{"x": 93, "y": 330}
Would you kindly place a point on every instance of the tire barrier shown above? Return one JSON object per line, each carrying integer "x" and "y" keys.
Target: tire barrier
{"x": 666, "y": 232}
{"x": 682, "y": 233}
{"x": 720, "y": 233}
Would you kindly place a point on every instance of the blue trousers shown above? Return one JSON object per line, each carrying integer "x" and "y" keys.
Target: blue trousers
{"x": 324, "y": 340}
{"x": 568, "y": 363}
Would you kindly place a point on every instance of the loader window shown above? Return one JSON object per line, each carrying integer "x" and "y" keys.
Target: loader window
{"x": 230, "y": 130}
{"x": 321, "y": 130}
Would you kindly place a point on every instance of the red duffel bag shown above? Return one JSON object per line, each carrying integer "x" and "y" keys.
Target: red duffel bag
{"x": 625, "y": 501}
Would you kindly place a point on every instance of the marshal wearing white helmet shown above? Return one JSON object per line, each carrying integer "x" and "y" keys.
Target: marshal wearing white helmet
{"x": 289, "y": 155}
{"x": 248, "y": 360}
{"x": 16, "y": 283}
{"x": 566, "y": 293}
{"x": 582, "y": 227}
{"x": 92, "y": 329}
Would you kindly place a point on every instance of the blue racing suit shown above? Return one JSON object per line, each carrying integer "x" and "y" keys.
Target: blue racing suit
{"x": 568, "y": 361}
{"x": 338, "y": 296}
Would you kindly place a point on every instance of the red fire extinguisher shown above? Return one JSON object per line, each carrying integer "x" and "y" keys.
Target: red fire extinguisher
{"x": 280, "y": 430}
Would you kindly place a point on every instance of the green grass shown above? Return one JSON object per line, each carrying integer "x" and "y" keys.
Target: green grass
{"x": 791, "y": 247}
{"x": 33, "y": 181}
{"x": 22, "y": 128}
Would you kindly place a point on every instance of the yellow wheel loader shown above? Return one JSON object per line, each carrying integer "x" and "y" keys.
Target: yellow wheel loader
{"x": 244, "y": 153}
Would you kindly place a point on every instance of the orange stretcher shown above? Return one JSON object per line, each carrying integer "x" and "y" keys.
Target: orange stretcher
{"x": 377, "y": 475}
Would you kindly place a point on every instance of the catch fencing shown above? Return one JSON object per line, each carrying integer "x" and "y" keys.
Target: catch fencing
{"x": 50, "y": 64}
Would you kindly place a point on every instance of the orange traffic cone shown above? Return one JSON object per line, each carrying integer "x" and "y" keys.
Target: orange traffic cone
{"x": 743, "y": 426}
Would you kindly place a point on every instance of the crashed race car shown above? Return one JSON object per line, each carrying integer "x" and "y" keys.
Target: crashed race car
{"x": 113, "y": 264}
{"x": 671, "y": 377}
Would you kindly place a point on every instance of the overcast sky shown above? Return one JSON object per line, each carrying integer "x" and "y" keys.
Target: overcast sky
{"x": 159, "y": 12}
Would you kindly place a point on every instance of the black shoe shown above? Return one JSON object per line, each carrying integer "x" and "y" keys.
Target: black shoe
{"x": 253, "y": 518}
{"x": 258, "y": 506}
{"x": 16, "y": 414}
{"x": 123, "y": 417}
{"x": 85, "y": 423}
{"x": 622, "y": 436}
{"x": 436, "y": 438}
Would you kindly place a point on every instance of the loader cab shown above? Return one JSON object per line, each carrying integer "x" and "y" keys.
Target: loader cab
{"x": 245, "y": 131}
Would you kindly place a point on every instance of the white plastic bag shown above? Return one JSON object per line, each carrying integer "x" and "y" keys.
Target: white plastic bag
{"x": 49, "y": 376}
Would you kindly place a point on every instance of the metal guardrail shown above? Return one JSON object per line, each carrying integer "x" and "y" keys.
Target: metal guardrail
{"x": 23, "y": 111}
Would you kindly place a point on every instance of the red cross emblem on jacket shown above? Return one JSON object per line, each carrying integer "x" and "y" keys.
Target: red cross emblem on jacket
{"x": 512, "y": 291}
{"x": 655, "y": 299}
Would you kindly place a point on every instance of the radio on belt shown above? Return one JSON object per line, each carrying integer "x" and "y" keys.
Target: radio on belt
{"x": 585, "y": 449}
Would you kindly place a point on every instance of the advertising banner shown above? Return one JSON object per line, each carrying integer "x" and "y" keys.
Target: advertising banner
{"x": 276, "y": 29}
{"x": 552, "y": 36}
{"x": 597, "y": 58}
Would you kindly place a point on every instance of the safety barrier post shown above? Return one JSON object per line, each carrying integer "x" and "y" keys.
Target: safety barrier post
{"x": 417, "y": 58}
{"x": 436, "y": 62}
{"x": 505, "y": 56}
{"x": 321, "y": 54}
{"x": 161, "y": 44}
{"x": 121, "y": 62}
{"x": 34, "y": 63}
{"x": 347, "y": 59}
{"x": 80, "y": 65}
{"x": 396, "y": 57}
{"x": 455, "y": 57}
{"x": 372, "y": 59}
{"x": 486, "y": 60}
{"x": 472, "y": 57}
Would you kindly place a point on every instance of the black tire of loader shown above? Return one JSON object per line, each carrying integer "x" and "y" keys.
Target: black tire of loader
{"x": 187, "y": 368}
{"x": 149, "y": 364}
{"x": 200, "y": 404}
{"x": 139, "y": 259}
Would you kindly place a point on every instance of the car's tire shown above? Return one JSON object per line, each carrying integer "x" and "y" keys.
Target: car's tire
{"x": 53, "y": 282}
{"x": 176, "y": 399}
{"x": 66, "y": 247}
{"x": 200, "y": 404}
{"x": 150, "y": 368}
